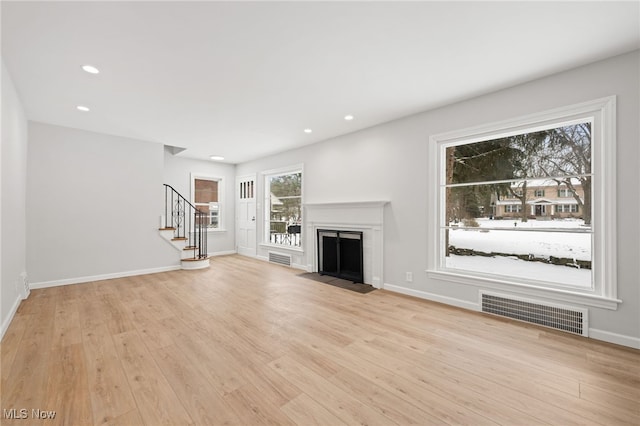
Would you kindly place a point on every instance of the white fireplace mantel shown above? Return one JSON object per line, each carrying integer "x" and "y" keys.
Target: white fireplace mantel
{"x": 364, "y": 216}
{"x": 347, "y": 204}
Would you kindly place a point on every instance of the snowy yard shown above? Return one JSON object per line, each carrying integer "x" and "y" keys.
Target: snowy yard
{"x": 499, "y": 236}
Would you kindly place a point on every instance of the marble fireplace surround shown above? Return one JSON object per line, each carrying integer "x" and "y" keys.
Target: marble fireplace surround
{"x": 364, "y": 216}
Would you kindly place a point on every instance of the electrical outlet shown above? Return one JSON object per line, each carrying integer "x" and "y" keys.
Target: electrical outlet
{"x": 26, "y": 289}
{"x": 409, "y": 277}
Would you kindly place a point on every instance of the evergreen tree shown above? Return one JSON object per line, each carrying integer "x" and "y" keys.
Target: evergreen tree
{"x": 478, "y": 162}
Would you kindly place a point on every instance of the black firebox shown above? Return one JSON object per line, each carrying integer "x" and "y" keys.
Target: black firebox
{"x": 340, "y": 254}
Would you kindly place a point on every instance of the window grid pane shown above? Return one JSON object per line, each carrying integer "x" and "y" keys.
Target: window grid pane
{"x": 206, "y": 191}
{"x": 521, "y": 204}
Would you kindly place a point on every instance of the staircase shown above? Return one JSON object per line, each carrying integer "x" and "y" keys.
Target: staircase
{"x": 185, "y": 228}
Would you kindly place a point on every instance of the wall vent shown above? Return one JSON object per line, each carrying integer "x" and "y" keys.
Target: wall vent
{"x": 279, "y": 258}
{"x": 564, "y": 318}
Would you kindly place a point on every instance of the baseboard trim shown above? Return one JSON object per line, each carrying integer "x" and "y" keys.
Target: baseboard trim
{"x": 433, "y": 297}
{"x": 605, "y": 336}
{"x": 266, "y": 259}
{"x": 251, "y": 255}
{"x": 299, "y": 266}
{"x": 9, "y": 318}
{"x": 618, "y": 339}
{"x": 79, "y": 280}
{"x": 222, "y": 253}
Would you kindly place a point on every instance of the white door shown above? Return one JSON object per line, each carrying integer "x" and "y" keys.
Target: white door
{"x": 246, "y": 215}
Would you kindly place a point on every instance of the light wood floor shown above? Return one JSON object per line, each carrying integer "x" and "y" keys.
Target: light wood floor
{"x": 249, "y": 343}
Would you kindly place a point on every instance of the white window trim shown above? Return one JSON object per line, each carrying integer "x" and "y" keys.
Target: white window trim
{"x": 604, "y": 291}
{"x": 267, "y": 203}
{"x": 221, "y": 212}
{"x": 282, "y": 247}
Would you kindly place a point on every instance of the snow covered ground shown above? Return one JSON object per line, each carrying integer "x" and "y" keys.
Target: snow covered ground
{"x": 500, "y": 236}
{"x": 503, "y": 238}
{"x": 514, "y": 267}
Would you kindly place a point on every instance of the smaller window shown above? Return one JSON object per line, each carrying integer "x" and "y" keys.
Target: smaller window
{"x": 513, "y": 208}
{"x": 538, "y": 193}
{"x": 206, "y": 196}
{"x": 564, "y": 193}
{"x": 283, "y": 203}
{"x": 567, "y": 208}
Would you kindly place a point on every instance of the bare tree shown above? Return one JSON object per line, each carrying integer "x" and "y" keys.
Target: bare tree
{"x": 567, "y": 159}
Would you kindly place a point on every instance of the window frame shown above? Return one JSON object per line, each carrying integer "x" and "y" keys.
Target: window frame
{"x": 220, "y": 180}
{"x": 603, "y": 293}
{"x": 266, "y": 223}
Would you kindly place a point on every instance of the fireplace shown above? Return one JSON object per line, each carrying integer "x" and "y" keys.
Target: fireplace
{"x": 366, "y": 217}
{"x": 340, "y": 254}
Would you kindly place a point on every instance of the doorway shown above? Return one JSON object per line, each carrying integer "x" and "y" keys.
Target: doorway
{"x": 246, "y": 215}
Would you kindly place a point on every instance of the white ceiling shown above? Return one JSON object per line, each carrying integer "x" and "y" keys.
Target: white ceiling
{"x": 244, "y": 79}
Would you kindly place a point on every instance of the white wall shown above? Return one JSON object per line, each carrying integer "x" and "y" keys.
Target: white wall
{"x": 177, "y": 173}
{"x": 13, "y": 160}
{"x": 93, "y": 206}
{"x": 389, "y": 162}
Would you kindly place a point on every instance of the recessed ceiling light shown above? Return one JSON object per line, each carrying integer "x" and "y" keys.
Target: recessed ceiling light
{"x": 308, "y": 130}
{"x": 348, "y": 117}
{"x": 90, "y": 69}
{"x": 216, "y": 157}
{"x": 82, "y": 108}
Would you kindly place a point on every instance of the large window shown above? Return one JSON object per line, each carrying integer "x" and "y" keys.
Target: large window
{"x": 283, "y": 202}
{"x": 538, "y": 242}
{"x": 206, "y": 196}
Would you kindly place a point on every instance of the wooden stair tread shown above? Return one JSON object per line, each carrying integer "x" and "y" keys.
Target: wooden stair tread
{"x": 191, "y": 259}
{"x": 190, "y": 248}
{"x": 167, "y": 229}
{"x": 179, "y": 239}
